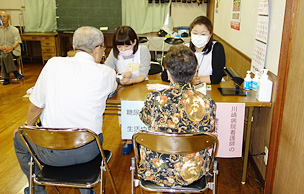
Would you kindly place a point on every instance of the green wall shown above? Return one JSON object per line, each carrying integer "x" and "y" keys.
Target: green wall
{"x": 98, "y": 13}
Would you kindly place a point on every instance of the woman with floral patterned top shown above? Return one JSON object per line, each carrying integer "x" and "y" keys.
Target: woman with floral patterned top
{"x": 179, "y": 109}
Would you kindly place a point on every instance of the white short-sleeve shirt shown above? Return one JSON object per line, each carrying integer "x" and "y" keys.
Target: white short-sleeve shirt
{"x": 73, "y": 92}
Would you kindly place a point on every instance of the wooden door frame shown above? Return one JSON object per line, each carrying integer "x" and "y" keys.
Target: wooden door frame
{"x": 278, "y": 105}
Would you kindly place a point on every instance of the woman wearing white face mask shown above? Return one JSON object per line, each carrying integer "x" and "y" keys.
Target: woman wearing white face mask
{"x": 129, "y": 59}
{"x": 210, "y": 54}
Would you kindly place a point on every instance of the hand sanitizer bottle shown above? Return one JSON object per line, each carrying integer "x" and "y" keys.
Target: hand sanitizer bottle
{"x": 264, "y": 89}
{"x": 247, "y": 81}
{"x": 254, "y": 82}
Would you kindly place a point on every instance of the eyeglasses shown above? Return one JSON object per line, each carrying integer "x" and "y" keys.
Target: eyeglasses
{"x": 101, "y": 46}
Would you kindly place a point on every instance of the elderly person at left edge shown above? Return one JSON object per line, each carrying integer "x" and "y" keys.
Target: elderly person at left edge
{"x": 72, "y": 92}
{"x": 9, "y": 48}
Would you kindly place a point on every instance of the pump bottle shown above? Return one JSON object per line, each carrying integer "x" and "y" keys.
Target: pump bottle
{"x": 254, "y": 82}
{"x": 247, "y": 81}
{"x": 264, "y": 89}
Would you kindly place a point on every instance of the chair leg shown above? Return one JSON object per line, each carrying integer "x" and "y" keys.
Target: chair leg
{"x": 132, "y": 168}
{"x": 31, "y": 178}
{"x": 102, "y": 168}
{"x": 56, "y": 189}
{"x": 111, "y": 180}
{"x": 20, "y": 67}
{"x": 20, "y": 62}
{"x": 162, "y": 57}
{"x": 215, "y": 173}
{"x": 106, "y": 168}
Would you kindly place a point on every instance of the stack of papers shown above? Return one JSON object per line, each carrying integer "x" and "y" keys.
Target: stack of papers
{"x": 202, "y": 88}
{"x": 157, "y": 87}
{"x": 29, "y": 91}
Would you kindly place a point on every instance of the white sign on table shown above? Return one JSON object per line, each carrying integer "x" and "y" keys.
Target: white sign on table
{"x": 130, "y": 122}
{"x": 229, "y": 127}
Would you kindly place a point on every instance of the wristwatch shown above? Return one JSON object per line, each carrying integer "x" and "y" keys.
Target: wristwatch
{"x": 13, "y": 48}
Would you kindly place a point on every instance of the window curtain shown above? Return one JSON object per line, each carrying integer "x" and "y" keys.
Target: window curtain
{"x": 40, "y": 16}
{"x": 144, "y": 17}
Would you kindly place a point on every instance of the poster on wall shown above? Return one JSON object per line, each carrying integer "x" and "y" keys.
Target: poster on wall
{"x": 217, "y": 6}
{"x": 261, "y": 38}
{"x": 236, "y": 15}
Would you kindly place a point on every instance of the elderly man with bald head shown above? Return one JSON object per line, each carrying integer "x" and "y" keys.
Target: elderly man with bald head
{"x": 9, "y": 48}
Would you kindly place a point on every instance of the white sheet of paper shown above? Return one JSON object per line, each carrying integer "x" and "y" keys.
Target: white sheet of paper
{"x": 157, "y": 87}
{"x": 229, "y": 127}
{"x": 130, "y": 121}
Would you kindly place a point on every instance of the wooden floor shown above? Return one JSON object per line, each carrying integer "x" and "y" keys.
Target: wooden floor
{"x": 13, "y": 111}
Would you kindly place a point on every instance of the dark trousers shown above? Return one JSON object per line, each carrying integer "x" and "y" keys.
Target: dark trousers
{"x": 8, "y": 65}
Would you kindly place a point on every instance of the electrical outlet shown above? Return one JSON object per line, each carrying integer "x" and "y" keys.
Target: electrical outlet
{"x": 266, "y": 155}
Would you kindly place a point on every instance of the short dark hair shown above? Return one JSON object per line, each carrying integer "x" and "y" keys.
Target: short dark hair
{"x": 181, "y": 62}
{"x": 124, "y": 35}
{"x": 202, "y": 20}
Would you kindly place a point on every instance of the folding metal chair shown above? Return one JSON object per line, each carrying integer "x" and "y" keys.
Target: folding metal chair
{"x": 19, "y": 61}
{"x": 176, "y": 144}
{"x": 155, "y": 68}
{"x": 84, "y": 175}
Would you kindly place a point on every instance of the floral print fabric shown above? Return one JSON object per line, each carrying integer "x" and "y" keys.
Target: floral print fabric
{"x": 179, "y": 109}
